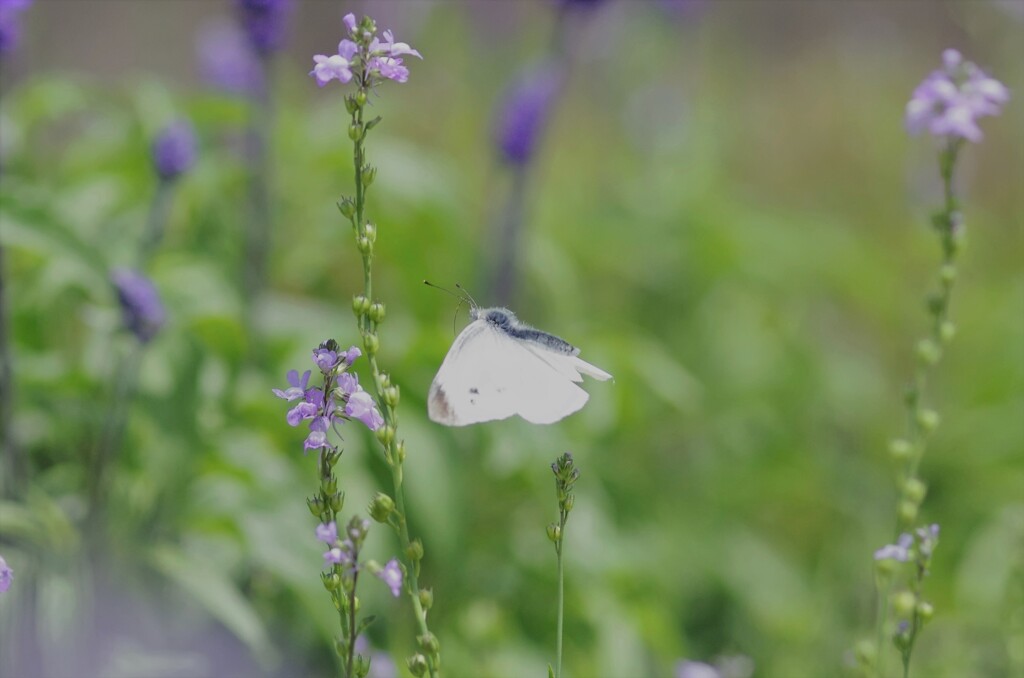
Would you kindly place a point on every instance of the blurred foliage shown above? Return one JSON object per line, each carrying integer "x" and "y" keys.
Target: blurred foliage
{"x": 726, "y": 214}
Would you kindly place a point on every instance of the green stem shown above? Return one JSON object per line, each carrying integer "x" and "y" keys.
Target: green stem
{"x": 561, "y": 599}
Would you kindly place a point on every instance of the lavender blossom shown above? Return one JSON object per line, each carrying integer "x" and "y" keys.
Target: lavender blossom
{"x": 227, "y": 60}
{"x": 927, "y": 539}
{"x": 362, "y": 407}
{"x": 950, "y": 100}
{"x": 297, "y": 386}
{"x": 900, "y": 551}
{"x": 337, "y": 556}
{"x": 265, "y": 23}
{"x": 6, "y": 575}
{"x": 10, "y": 23}
{"x": 327, "y": 532}
{"x": 524, "y": 113}
{"x": 174, "y": 150}
{"x": 141, "y": 308}
{"x": 392, "y": 575}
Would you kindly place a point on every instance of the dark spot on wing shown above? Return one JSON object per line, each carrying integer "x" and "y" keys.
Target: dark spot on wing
{"x": 474, "y": 391}
{"x": 440, "y": 402}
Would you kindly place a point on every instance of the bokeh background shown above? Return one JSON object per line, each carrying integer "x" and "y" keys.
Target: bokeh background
{"x": 722, "y": 209}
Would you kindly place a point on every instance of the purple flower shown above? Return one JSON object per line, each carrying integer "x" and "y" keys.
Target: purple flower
{"x": 524, "y": 112}
{"x": 265, "y": 22}
{"x": 336, "y": 557}
{"x": 226, "y": 59}
{"x": 141, "y": 308}
{"x": 361, "y": 406}
{"x": 349, "y": 382}
{"x": 10, "y": 23}
{"x": 327, "y": 532}
{"x": 317, "y": 437}
{"x": 927, "y": 539}
{"x": 6, "y": 575}
{"x": 350, "y": 22}
{"x": 325, "y": 359}
{"x": 296, "y": 387}
{"x": 949, "y": 101}
{"x": 351, "y": 354}
{"x": 174, "y": 150}
{"x": 301, "y": 412}
{"x": 392, "y": 576}
{"x": 329, "y": 68}
{"x": 900, "y": 551}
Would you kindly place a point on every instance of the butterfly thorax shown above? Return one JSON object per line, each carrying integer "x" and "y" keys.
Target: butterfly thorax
{"x": 506, "y": 321}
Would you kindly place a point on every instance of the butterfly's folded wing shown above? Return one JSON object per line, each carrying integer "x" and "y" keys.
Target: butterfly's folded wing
{"x": 488, "y": 375}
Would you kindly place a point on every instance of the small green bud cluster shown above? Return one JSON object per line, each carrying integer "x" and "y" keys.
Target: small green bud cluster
{"x": 381, "y": 507}
{"x": 566, "y": 475}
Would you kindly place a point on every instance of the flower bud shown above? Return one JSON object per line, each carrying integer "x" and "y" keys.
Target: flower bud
{"x": 400, "y": 451}
{"x": 386, "y": 434}
{"x": 391, "y": 396}
{"x": 885, "y": 567}
{"x": 361, "y": 98}
{"x": 347, "y": 207}
{"x": 370, "y": 231}
{"x": 908, "y": 512}
{"x": 928, "y": 352}
{"x": 417, "y": 665}
{"x": 364, "y": 245}
{"x": 360, "y": 665}
{"x": 415, "y": 550}
{"x": 360, "y": 304}
{"x": 914, "y": 490}
{"x": 355, "y": 132}
{"x": 380, "y": 507}
{"x": 383, "y": 381}
{"x": 568, "y": 503}
{"x": 947, "y": 273}
{"x": 928, "y": 420}
{"x": 377, "y": 312}
{"x": 337, "y": 501}
{"x": 947, "y": 330}
{"x": 554, "y": 532}
{"x": 316, "y": 507}
{"x": 865, "y": 652}
{"x": 426, "y": 598}
{"x": 935, "y": 304}
{"x": 369, "y": 173}
{"x": 900, "y": 449}
{"x": 903, "y": 603}
{"x": 925, "y": 610}
{"x": 371, "y": 343}
{"x": 332, "y": 582}
{"x": 351, "y": 104}
{"x": 428, "y": 643}
{"x": 329, "y": 485}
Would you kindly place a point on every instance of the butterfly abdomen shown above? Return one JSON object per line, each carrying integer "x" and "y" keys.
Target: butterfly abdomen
{"x": 506, "y": 321}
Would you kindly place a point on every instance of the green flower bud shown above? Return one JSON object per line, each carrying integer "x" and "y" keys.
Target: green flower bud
{"x": 925, "y": 610}
{"x": 947, "y": 331}
{"x": 885, "y": 567}
{"x": 908, "y": 512}
{"x": 337, "y": 501}
{"x": 417, "y": 664}
{"x": 377, "y": 312}
{"x": 928, "y": 420}
{"x": 914, "y": 490}
{"x": 415, "y": 550}
{"x": 380, "y": 507}
{"x": 316, "y": 507}
{"x": 369, "y": 173}
{"x": 903, "y": 603}
{"x": 928, "y": 352}
{"x": 383, "y": 381}
{"x": 371, "y": 343}
{"x": 332, "y": 582}
{"x": 554, "y": 532}
{"x": 947, "y": 273}
{"x": 360, "y": 666}
{"x": 347, "y": 207}
{"x": 400, "y": 451}
{"x": 364, "y": 245}
{"x": 360, "y": 98}
{"x": 386, "y": 434}
{"x": 568, "y": 503}
{"x": 391, "y": 396}
{"x": 935, "y": 304}
{"x": 865, "y": 652}
{"x": 360, "y": 304}
{"x": 329, "y": 485}
{"x": 426, "y": 598}
{"x": 900, "y": 449}
{"x": 428, "y": 643}
{"x": 355, "y": 132}
{"x": 341, "y": 647}
{"x": 370, "y": 231}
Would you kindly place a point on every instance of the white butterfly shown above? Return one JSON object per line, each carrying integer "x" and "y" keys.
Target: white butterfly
{"x": 499, "y": 367}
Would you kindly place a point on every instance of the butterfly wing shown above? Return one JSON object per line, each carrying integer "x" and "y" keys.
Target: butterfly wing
{"x": 489, "y": 375}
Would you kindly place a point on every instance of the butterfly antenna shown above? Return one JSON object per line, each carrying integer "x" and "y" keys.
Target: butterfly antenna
{"x": 462, "y": 300}
{"x": 468, "y": 295}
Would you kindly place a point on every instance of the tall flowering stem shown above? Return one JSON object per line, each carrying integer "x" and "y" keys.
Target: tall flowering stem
{"x": 366, "y": 60}
{"x": 566, "y": 475}
{"x": 947, "y": 104}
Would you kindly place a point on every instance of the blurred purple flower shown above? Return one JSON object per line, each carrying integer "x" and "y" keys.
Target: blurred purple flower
{"x": 336, "y": 556}
{"x": 900, "y": 551}
{"x": 691, "y": 669}
{"x": 524, "y": 112}
{"x": 265, "y": 23}
{"x": 296, "y": 387}
{"x": 227, "y": 60}
{"x": 580, "y": 3}
{"x": 950, "y": 100}
{"x": 927, "y": 539}
{"x": 327, "y": 532}
{"x": 362, "y": 407}
{"x": 10, "y": 23}
{"x": 141, "y": 308}
{"x": 392, "y": 576}
{"x": 174, "y": 150}
{"x": 6, "y": 575}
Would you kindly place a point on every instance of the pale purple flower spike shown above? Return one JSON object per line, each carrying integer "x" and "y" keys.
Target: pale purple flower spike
{"x": 6, "y": 575}
{"x": 949, "y": 101}
{"x": 379, "y": 58}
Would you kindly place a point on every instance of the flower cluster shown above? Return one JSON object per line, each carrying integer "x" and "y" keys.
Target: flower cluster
{"x": 10, "y": 23}
{"x": 924, "y": 538}
{"x": 6, "y": 575}
{"x": 141, "y": 308}
{"x": 364, "y": 55}
{"x": 265, "y": 23}
{"x": 341, "y": 398}
{"x": 345, "y": 552}
{"x": 174, "y": 150}
{"x": 950, "y": 100}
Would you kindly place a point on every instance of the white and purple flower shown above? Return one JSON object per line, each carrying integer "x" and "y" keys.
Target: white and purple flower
{"x": 900, "y": 551}
{"x": 373, "y": 58}
{"x": 392, "y": 575}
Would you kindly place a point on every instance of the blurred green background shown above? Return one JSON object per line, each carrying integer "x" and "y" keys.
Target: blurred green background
{"x": 725, "y": 212}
